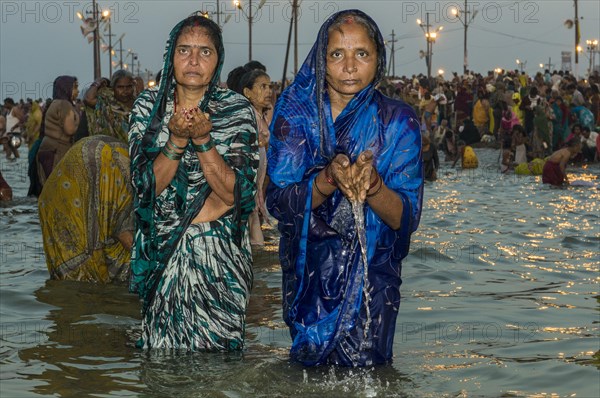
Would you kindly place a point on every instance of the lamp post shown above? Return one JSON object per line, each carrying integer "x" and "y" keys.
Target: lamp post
{"x": 430, "y": 36}
{"x": 392, "y": 64}
{"x": 91, "y": 24}
{"x": 465, "y": 19}
{"x": 106, "y": 17}
{"x": 522, "y": 64}
{"x": 134, "y": 57}
{"x": 592, "y": 47}
{"x": 120, "y": 41}
{"x": 250, "y": 16}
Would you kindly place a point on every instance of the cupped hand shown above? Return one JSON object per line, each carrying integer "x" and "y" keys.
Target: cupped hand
{"x": 361, "y": 172}
{"x": 353, "y": 179}
{"x": 190, "y": 124}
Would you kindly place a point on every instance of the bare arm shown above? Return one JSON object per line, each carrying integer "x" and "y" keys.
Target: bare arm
{"x": 361, "y": 182}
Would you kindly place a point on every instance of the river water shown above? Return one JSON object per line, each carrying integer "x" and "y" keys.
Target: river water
{"x": 500, "y": 298}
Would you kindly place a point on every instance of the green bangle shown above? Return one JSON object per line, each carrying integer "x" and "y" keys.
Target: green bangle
{"x": 175, "y": 146}
{"x": 171, "y": 154}
{"x": 204, "y": 147}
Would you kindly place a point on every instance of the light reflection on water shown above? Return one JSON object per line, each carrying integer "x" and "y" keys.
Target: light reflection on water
{"x": 499, "y": 299}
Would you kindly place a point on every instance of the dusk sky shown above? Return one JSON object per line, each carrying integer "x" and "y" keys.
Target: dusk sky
{"x": 40, "y": 40}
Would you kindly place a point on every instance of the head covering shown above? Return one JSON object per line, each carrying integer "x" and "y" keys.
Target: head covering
{"x": 313, "y": 245}
{"x": 167, "y": 80}
{"x": 233, "y": 131}
{"x": 308, "y": 94}
{"x": 63, "y": 88}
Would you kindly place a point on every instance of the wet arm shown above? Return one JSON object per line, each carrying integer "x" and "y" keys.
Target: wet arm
{"x": 387, "y": 204}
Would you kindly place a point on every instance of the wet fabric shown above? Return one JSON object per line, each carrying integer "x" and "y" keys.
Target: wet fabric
{"x": 55, "y": 143}
{"x": 33, "y": 124}
{"x": 84, "y": 205}
{"x": 319, "y": 250}
{"x": 109, "y": 117}
{"x": 166, "y": 278}
{"x": 469, "y": 159}
{"x": 552, "y": 174}
{"x": 535, "y": 167}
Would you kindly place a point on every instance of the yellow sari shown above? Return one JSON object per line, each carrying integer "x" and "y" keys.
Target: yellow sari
{"x": 469, "y": 159}
{"x": 84, "y": 205}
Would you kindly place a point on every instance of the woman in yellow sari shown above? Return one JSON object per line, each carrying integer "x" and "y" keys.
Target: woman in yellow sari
{"x": 33, "y": 124}
{"x": 86, "y": 213}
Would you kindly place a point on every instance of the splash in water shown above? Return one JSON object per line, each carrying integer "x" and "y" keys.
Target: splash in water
{"x": 359, "y": 220}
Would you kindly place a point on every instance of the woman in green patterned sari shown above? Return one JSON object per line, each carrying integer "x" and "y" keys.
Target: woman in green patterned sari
{"x": 194, "y": 155}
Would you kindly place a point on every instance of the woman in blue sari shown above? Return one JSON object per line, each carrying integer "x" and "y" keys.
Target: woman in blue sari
{"x": 337, "y": 141}
{"x": 194, "y": 156}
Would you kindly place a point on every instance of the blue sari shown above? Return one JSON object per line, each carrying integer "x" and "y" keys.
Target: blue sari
{"x": 319, "y": 249}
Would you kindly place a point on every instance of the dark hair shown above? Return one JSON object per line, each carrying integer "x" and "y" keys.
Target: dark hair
{"x": 212, "y": 29}
{"x": 62, "y": 88}
{"x": 573, "y": 142}
{"x": 249, "y": 78}
{"x": 351, "y": 17}
{"x": 234, "y": 77}
{"x": 517, "y": 128}
{"x": 251, "y": 65}
{"x": 243, "y": 77}
{"x": 533, "y": 91}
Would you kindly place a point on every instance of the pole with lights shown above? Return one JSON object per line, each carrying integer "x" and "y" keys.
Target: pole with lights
{"x": 430, "y": 36}
{"x": 250, "y": 16}
{"x": 90, "y": 25}
{"x": 106, "y": 17}
{"x": 592, "y": 47}
{"x": 465, "y": 19}
{"x": 522, "y": 64}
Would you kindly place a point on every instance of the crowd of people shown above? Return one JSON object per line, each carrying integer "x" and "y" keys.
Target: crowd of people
{"x": 527, "y": 117}
{"x": 167, "y": 188}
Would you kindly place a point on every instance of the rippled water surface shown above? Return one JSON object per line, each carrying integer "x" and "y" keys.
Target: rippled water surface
{"x": 500, "y": 298}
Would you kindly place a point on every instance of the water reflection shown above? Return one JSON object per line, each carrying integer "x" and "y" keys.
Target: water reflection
{"x": 87, "y": 340}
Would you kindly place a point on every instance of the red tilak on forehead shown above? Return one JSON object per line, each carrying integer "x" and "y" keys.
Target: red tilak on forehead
{"x": 349, "y": 19}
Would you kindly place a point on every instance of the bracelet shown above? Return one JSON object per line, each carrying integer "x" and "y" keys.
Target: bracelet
{"x": 170, "y": 154}
{"x": 378, "y": 189}
{"x": 174, "y": 145}
{"x": 375, "y": 183}
{"x": 204, "y": 147}
{"x": 318, "y": 190}
{"x": 328, "y": 177}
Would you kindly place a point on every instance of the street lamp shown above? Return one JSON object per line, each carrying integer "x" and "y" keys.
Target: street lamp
{"x": 465, "y": 19}
{"x": 106, "y": 17}
{"x": 522, "y": 64}
{"x": 430, "y": 37}
{"x": 592, "y": 47}
{"x": 250, "y": 16}
{"x": 90, "y": 25}
{"x": 134, "y": 57}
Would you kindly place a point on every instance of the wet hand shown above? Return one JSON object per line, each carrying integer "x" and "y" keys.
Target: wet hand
{"x": 190, "y": 124}
{"x": 361, "y": 175}
{"x": 353, "y": 180}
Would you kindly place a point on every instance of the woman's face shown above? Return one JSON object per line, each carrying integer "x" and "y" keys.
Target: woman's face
{"x": 124, "y": 90}
{"x": 351, "y": 60}
{"x": 75, "y": 91}
{"x": 260, "y": 93}
{"x": 195, "y": 58}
